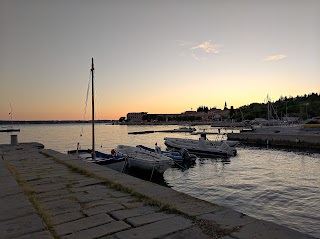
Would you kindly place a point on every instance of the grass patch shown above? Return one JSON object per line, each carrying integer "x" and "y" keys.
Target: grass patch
{"x": 32, "y": 196}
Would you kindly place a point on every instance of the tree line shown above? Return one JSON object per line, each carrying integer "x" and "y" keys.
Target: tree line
{"x": 304, "y": 107}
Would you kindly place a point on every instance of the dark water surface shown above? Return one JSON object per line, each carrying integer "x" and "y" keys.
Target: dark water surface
{"x": 274, "y": 185}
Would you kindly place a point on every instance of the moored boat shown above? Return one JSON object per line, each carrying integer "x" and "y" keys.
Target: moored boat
{"x": 201, "y": 147}
{"x": 101, "y": 158}
{"x": 231, "y": 143}
{"x": 144, "y": 159}
{"x": 181, "y": 156}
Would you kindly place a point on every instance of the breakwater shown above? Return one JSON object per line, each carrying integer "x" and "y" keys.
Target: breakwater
{"x": 311, "y": 141}
{"x": 64, "y": 197}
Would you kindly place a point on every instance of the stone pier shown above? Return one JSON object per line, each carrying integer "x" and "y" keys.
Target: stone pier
{"x": 46, "y": 194}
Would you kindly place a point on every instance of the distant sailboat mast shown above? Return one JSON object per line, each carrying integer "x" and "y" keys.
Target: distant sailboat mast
{"x": 93, "y": 143}
{"x": 10, "y": 113}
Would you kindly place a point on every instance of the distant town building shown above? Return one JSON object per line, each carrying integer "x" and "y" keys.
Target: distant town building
{"x": 212, "y": 114}
{"x": 136, "y": 117}
{"x": 190, "y": 112}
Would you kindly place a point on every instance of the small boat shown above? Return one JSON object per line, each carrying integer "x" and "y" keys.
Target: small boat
{"x": 184, "y": 129}
{"x": 201, "y": 147}
{"x": 101, "y": 158}
{"x": 10, "y": 128}
{"x": 144, "y": 159}
{"x": 217, "y": 142}
{"x": 91, "y": 155}
{"x": 182, "y": 155}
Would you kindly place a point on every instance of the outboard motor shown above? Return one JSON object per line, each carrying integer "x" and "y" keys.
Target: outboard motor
{"x": 184, "y": 154}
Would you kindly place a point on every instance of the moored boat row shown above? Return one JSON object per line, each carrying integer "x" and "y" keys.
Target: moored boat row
{"x": 149, "y": 159}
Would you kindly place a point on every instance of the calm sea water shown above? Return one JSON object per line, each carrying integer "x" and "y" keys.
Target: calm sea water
{"x": 274, "y": 185}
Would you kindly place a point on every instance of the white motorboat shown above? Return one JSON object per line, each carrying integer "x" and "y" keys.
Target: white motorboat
{"x": 144, "y": 159}
{"x": 217, "y": 142}
{"x": 201, "y": 147}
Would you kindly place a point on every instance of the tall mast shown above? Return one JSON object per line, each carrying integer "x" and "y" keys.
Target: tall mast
{"x": 93, "y": 143}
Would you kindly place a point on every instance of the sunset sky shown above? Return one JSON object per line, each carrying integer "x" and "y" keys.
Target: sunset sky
{"x": 164, "y": 56}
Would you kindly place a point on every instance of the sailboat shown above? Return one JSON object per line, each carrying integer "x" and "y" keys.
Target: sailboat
{"x": 91, "y": 155}
{"x": 10, "y": 128}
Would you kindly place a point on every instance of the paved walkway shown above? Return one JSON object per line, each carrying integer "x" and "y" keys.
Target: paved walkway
{"x": 46, "y": 194}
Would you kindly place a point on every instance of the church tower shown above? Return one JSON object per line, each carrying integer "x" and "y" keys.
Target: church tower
{"x": 225, "y": 105}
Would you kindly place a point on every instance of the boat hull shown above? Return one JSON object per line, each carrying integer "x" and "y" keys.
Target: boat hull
{"x": 9, "y": 130}
{"x": 205, "y": 150}
{"x": 101, "y": 158}
{"x": 152, "y": 166}
{"x": 143, "y": 159}
{"x": 231, "y": 143}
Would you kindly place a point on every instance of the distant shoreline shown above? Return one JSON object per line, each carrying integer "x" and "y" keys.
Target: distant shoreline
{"x": 8, "y": 122}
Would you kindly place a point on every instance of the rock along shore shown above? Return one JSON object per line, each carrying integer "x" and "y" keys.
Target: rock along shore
{"x": 47, "y": 194}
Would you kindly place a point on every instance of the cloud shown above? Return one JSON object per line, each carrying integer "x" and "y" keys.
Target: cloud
{"x": 208, "y": 47}
{"x": 275, "y": 57}
{"x": 199, "y": 52}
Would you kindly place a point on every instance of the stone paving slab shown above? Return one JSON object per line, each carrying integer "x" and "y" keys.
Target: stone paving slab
{"x": 148, "y": 218}
{"x": 60, "y": 192}
{"x": 86, "y": 182}
{"x": 117, "y": 194}
{"x": 15, "y": 211}
{"x": 193, "y": 232}
{"x": 156, "y": 229}
{"x": 64, "y": 209}
{"x": 126, "y": 213}
{"x": 6, "y": 179}
{"x": 100, "y": 231}
{"x": 103, "y": 209}
{"x": 59, "y": 203}
{"x": 9, "y": 190}
{"x": 89, "y": 188}
{"x": 266, "y": 230}
{"x": 11, "y": 201}
{"x": 21, "y": 226}
{"x": 97, "y": 203}
{"x": 67, "y": 217}
{"x": 37, "y": 235}
{"x": 132, "y": 204}
{"x": 82, "y": 224}
{"x": 48, "y": 188}
{"x": 53, "y": 198}
{"x": 89, "y": 197}
{"x": 228, "y": 219}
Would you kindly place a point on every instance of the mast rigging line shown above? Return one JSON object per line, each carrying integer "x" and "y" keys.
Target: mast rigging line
{"x": 85, "y": 106}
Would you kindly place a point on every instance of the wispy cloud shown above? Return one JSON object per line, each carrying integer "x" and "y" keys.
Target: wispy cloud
{"x": 275, "y": 57}
{"x": 199, "y": 51}
{"x": 208, "y": 47}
